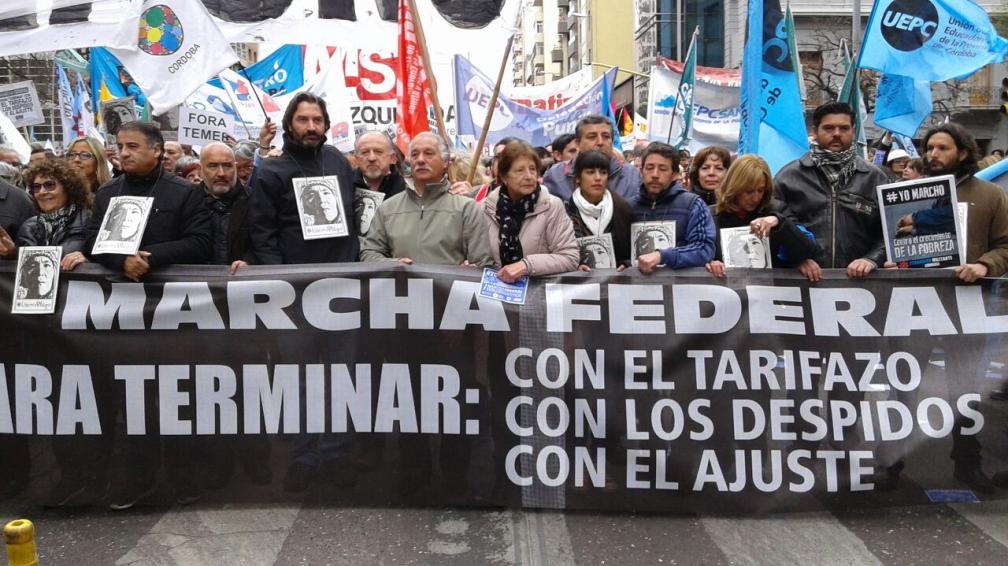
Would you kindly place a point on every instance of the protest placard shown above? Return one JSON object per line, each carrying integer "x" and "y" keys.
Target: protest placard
{"x": 20, "y": 103}
{"x": 201, "y": 127}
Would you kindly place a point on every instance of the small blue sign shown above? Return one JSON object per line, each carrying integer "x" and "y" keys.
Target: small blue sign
{"x": 951, "y": 496}
{"x": 493, "y": 288}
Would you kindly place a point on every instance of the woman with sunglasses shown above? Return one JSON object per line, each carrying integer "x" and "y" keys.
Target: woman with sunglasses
{"x": 87, "y": 156}
{"x": 64, "y": 206}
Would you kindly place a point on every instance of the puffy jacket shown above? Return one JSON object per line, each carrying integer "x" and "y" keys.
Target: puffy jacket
{"x": 178, "y": 228}
{"x": 546, "y": 235}
{"x": 624, "y": 179}
{"x": 436, "y": 228}
{"x": 72, "y": 240}
{"x": 695, "y": 232}
{"x": 273, "y": 214}
{"x": 847, "y": 223}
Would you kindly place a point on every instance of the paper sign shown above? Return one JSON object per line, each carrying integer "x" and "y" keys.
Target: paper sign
{"x": 202, "y": 127}
{"x": 492, "y": 287}
{"x": 20, "y": 103}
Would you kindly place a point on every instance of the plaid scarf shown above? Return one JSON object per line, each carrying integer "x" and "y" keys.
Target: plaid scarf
{"x": 837, "y": 167}
{"x": 50, "y": 230}
{"x": 510, "y": 216}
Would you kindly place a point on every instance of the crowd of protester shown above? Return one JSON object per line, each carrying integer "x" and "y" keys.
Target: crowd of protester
{"x": 521, "y": 212}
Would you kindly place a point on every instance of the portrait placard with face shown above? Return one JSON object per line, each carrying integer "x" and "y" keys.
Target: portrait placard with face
{"x": 651, "y": 236}
{"x": 366, "y": 205}
{"x": 123, "y": 226}
{"x": 37, "y": 280}
{"x": 320, "y": 207}
{"x": 741, "y": 248}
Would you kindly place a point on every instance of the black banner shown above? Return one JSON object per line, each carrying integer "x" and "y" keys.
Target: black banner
{"x": 672, "y": 392}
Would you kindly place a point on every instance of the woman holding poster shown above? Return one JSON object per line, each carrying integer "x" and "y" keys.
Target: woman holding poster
{"x": 594, "y": 210}
{"x": 746, "y": 218}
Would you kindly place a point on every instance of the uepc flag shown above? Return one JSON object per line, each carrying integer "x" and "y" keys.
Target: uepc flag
{"x": 932, "y": 40}
{"x": 902, "y": 104}
{"x": 179, "y": 49}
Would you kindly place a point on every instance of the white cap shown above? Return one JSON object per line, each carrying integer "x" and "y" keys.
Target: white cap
{"x": 896, "y": 154}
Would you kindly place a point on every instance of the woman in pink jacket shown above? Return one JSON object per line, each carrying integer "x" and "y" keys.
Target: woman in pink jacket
{"x": 530, "y": 232}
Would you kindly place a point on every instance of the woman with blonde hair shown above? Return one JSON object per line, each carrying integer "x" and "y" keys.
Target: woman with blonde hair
{"x": 87, "y": 156}
{"x": 745, "y": 200}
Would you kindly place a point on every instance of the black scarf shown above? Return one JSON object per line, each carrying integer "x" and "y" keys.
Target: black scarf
{"x": 510, "y": 216}
{"x": 51, "y": 227}
{"x": 837, "y": 167}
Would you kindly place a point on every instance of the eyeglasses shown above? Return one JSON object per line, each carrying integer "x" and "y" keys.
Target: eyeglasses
{"x": 82, "y": 155}
{"x": 49, "y": 185}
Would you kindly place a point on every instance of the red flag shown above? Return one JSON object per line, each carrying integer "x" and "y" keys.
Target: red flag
{"x": 412, "y": 90}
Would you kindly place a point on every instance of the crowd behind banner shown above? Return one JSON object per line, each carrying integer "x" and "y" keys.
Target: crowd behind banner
{"x": 555, "y": 323}
{"x": 793, "y": 302}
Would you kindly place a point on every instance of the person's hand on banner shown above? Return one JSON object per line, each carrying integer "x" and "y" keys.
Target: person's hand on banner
{"x": 465, "y": 263}
{"x": 648, "y": 262}
{"x": 461, "y": 188}
{"x": 716, "y": 268}
{"x": 405, "y": 261}
{"x": 235, "y": 266}
{"x": 810, "y": 270}
{"x": 7, "y": 246}
{"x": 136, "y": 265}
{"x": 513, "y": 272}
{"x": 971, "y": 272}
{"x": 860, "y": 268}
{"x": 266, "y": 134}
{"x": 584, "y": 268}
{"x": 72, "y": 260}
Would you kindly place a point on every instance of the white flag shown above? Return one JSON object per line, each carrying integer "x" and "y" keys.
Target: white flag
{"x": 179, "y": 49}
{"x": 12, "y": 137}
{"x": 66, "y": 106}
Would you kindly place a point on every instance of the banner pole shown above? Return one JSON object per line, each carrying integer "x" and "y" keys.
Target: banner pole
{"x": 235, "y": 104}
{"x": 431, "y": 81}
{"x": 490, "y": 110}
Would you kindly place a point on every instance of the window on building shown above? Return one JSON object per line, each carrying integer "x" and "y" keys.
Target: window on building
{"x": 708, "y": 14}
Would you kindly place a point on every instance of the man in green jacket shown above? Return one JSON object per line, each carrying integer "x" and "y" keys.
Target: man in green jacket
{"x": 426, "y": 223}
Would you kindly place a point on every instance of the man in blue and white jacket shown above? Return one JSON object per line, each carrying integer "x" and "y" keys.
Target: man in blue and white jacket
{"x": 662, "y": 197}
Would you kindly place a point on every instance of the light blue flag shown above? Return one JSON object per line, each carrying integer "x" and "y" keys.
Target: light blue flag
{"x": 902, "y": 104}
{"x": 906, "y": 143}
{"x": 997, "y": 173}
{"x": 473, "y": 90}
{"x": 277, "y": 74}
{"x": 850, "y": 93}
{"x": 930, "y": 40}
{"x": 781, "y": 136}
{"x": 752, "y": 71}
{"x": 608, "y": 110}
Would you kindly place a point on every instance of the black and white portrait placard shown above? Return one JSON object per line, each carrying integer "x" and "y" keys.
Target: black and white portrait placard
{"x": 366, "y": 204}
{"x": 320, "y": 207}
{"x": 651, "y": 236}
{"x": 123, "y": 226}
{"x": 37, "y": 280}
{"x": 741, "y": 248}
{"x": 116, "y": 112}
{"x": 598, "y": 252}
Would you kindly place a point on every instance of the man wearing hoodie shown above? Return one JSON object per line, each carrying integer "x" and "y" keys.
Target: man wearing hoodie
{"x": 662, "y": 197}
{"x": 277, "y": 238}
{"x": 594, "y": 132}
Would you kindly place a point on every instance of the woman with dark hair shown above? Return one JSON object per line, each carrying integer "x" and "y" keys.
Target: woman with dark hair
{"x": 594, "y": 209}
{"x": 530, "y": 232}
{"x": 914, "y": 169}
{"x": 87, "y": 156}
{"x": 64, "y": 206}
{"x": 745, "y": 200}
{"x": 707, "y": 172}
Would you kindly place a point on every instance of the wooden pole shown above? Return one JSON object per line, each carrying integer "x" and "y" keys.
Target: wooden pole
{"x": 490, "y": 110}
{"x": 431, "y": 81}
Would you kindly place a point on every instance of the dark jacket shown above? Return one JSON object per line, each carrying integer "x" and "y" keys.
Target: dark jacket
{"x": 15, "y": 207}
{"x": 847, "y": 224}
{"x": 624, "y": 179}
{"x": 623, "y": 216}
{"x": 695, "y": 231}
{"x": 72, "y": 240}
{"x": 229, "y": 226}
{"x": 273, "y": 214}
{"x": 786, "y": 237}
{"x": 178, "y": 228}
{"x": 391, "y": 185}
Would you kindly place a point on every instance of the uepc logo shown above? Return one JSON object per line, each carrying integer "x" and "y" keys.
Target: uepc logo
{"x": 909, "y": 24}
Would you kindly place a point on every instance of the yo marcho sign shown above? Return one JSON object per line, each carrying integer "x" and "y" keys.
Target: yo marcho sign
{"x": 673, "y": 392}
